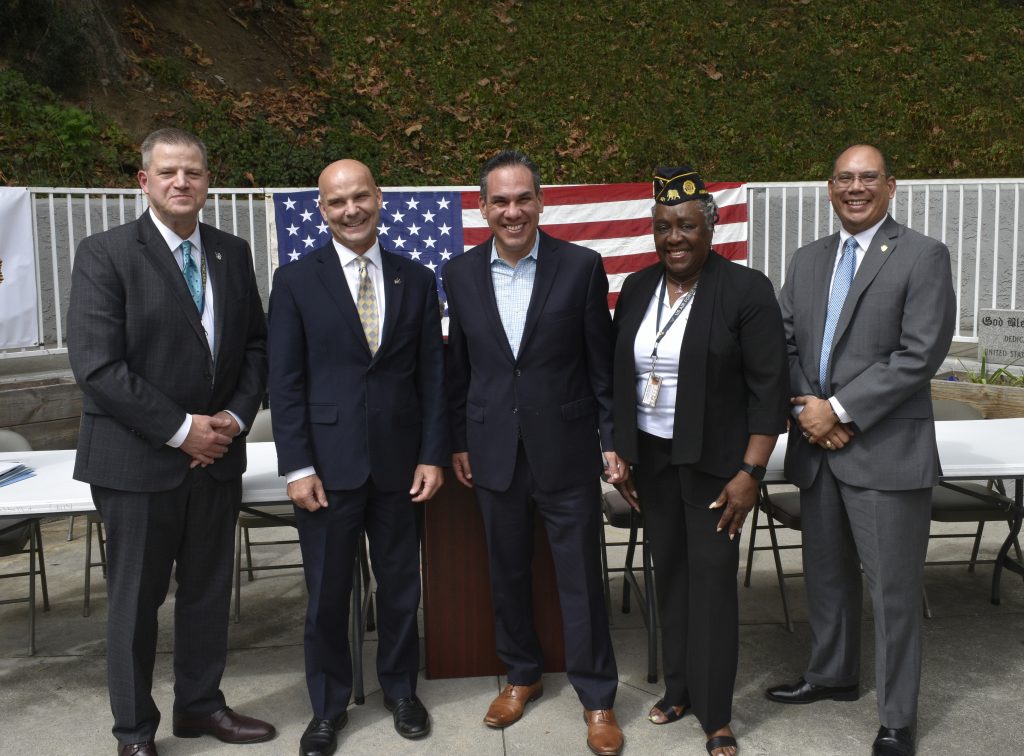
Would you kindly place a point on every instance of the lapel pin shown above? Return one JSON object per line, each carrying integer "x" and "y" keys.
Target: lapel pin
{"x": 885, "y": 247}
{"x": 218, "y": 255}
{"x": 398, "y": 281}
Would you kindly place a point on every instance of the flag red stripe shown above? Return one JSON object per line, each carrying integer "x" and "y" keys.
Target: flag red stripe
{"x": 628, "y": 263}
{"x": 592, "y": 193}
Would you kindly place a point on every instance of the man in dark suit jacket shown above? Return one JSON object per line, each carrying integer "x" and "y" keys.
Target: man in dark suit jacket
{"x": 357, "y": 401}
{"x": 172, "y": 371}
{"x": 869, "y": 315}
{"x": 530, "y": 393}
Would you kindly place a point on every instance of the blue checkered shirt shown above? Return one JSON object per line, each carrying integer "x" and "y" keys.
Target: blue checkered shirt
{"x": 513, "y": 288}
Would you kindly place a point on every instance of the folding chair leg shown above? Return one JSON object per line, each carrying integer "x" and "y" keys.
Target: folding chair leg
{"x": 238, "y": 572}
{"x": 32, "y": 592}
{"x": 87, "y": 589}
{"x": 778, "y": 571}
{"x": 248, "y": 554}
{"x": 101, "y": 541}
{"x": 927, "y": 605}
{"x": 71, "y": 528}
{"x": 750, "y": 547}
{"x": 630, "y": 552}
{"x": 42, "y": 566}
{"x": 977, "y": 545}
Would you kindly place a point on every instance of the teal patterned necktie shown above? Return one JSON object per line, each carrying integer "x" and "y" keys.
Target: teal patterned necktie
{"x": 840, "y": 288}
{"x": 191, "y": 272}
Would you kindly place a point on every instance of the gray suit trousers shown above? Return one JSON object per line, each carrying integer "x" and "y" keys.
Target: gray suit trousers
{"x": 886, "y": 532}
{"x": 190, "y": 528}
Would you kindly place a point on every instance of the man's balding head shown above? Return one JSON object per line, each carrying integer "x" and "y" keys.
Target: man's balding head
{"x": 350, "y": 203}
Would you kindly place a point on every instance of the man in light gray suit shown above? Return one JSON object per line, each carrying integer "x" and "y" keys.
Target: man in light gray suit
{"x": 869, "y": 315}
{"x": 167, "y": 339}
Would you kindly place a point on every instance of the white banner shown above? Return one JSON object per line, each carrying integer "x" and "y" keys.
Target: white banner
{"x": 19, "y": 322}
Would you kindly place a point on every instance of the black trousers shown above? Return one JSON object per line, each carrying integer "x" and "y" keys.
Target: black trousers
{"x": 572, "y": 518}
{"x": 328, "y": 538}
{"x": 695, "y": 574}
{"x": 191, "y": 527}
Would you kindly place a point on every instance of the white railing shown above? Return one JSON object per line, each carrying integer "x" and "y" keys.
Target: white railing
{"x": 979, "y": 219}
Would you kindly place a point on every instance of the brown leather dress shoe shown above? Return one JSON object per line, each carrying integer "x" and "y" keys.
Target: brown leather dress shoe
{"x": 508, "y": 707}
{"x": 225, "y": 725}
{"x": 137, "y": 749}
{"x": 604, "y": 736}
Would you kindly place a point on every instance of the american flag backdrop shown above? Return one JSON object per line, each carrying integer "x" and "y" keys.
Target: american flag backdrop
{"x": 433, "y": 224}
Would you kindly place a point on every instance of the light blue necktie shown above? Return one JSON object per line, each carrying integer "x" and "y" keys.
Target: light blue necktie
{"x": 191, "y": 272}
{"x": 840, "y": 288}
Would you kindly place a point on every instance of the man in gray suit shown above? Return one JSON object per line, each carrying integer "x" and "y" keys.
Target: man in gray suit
{"x": 869, "y": 315}
{"x": 167, "y": 340}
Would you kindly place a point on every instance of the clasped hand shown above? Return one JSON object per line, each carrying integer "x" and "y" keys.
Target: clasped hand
{"x": 209, "y": 437}
{"x": 820, "y": 424}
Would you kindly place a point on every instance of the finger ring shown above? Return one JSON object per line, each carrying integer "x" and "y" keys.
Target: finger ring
{"x": 806, "y": 434}
{"x": 829, "y": 444}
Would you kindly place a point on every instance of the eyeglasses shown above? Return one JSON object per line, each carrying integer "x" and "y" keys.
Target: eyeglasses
{"x": 869, "y": 179}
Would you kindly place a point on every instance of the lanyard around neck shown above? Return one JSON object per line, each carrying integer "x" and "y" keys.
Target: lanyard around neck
{"x": 681, "y": 305}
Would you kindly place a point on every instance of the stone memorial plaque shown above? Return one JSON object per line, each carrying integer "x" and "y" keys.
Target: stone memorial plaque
{"x": 1001, "y": 336}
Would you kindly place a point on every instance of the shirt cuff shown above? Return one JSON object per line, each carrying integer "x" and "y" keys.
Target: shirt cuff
{"x": 241, "y": 426}
{"x": 838, "y": 409}
{"x": 179, "y": 438}
{"x": 295, "y": 475}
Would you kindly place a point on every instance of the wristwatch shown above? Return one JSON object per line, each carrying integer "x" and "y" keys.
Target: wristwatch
{"x": 754, "y": 471}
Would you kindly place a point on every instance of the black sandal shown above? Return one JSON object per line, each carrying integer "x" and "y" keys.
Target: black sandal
{"x": 721, "y": 741}
{"x": 667, "y": 711}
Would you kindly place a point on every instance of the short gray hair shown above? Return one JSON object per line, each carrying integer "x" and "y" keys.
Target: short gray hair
{"x": 708, "y": 208}
{"x": 173, "y": 136}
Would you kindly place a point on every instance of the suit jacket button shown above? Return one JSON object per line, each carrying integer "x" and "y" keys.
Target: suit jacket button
{"x": 515, "y": 410}
{"x": 518, "y": 372}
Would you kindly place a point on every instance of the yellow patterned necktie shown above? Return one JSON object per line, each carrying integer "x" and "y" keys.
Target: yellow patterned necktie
{"x": 366, "y": 303}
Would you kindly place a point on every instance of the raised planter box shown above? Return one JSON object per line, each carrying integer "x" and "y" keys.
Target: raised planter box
{"x": 992, "y": 401}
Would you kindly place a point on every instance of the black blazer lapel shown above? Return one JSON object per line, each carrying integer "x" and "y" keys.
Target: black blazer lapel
{"x": 824, "y": 263}
{"x": 328, "y": 270}
{"x": 394, "y": 288}
{"x": 874, "y": 259}
{"x": 548, "y": 261}
{"x": 688, "y": 430}
{"x": 217, "y": 269}
{"x": 646, "y": 287}
{"x": 162, "y": 259}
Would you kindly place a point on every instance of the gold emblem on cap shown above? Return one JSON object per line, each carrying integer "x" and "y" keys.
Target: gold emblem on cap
{"x": 672, "y": 195}
{"x": 689, "y": 187}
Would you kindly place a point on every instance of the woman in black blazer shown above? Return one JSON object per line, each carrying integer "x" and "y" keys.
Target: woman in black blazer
{"x": 701, "y": 394}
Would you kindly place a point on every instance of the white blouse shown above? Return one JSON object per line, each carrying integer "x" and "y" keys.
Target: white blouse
{"x": 659, "y": 420}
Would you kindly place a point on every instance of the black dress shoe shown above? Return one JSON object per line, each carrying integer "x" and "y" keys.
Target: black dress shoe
{"x": 803, "y": 692}
{"x": 226, "y": 725}
{"x": 137, "y": 749}
{"x": 898, "y": 741}
{"x": 411, "y": 720}
{"x": 320, "y": 738}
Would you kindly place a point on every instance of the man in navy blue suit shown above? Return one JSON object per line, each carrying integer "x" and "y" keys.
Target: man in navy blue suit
{"x": 530, "y": 354}
{"x": 357, "y": 401}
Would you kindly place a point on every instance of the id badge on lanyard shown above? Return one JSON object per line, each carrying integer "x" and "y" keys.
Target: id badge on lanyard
{"x": 653, "y": 386}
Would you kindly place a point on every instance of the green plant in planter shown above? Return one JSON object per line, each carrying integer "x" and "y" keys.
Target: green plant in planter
{"x": 1001, "y": 376}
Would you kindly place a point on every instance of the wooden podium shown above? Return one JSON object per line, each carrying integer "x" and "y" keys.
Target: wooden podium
{"x": 458, "y": 617}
